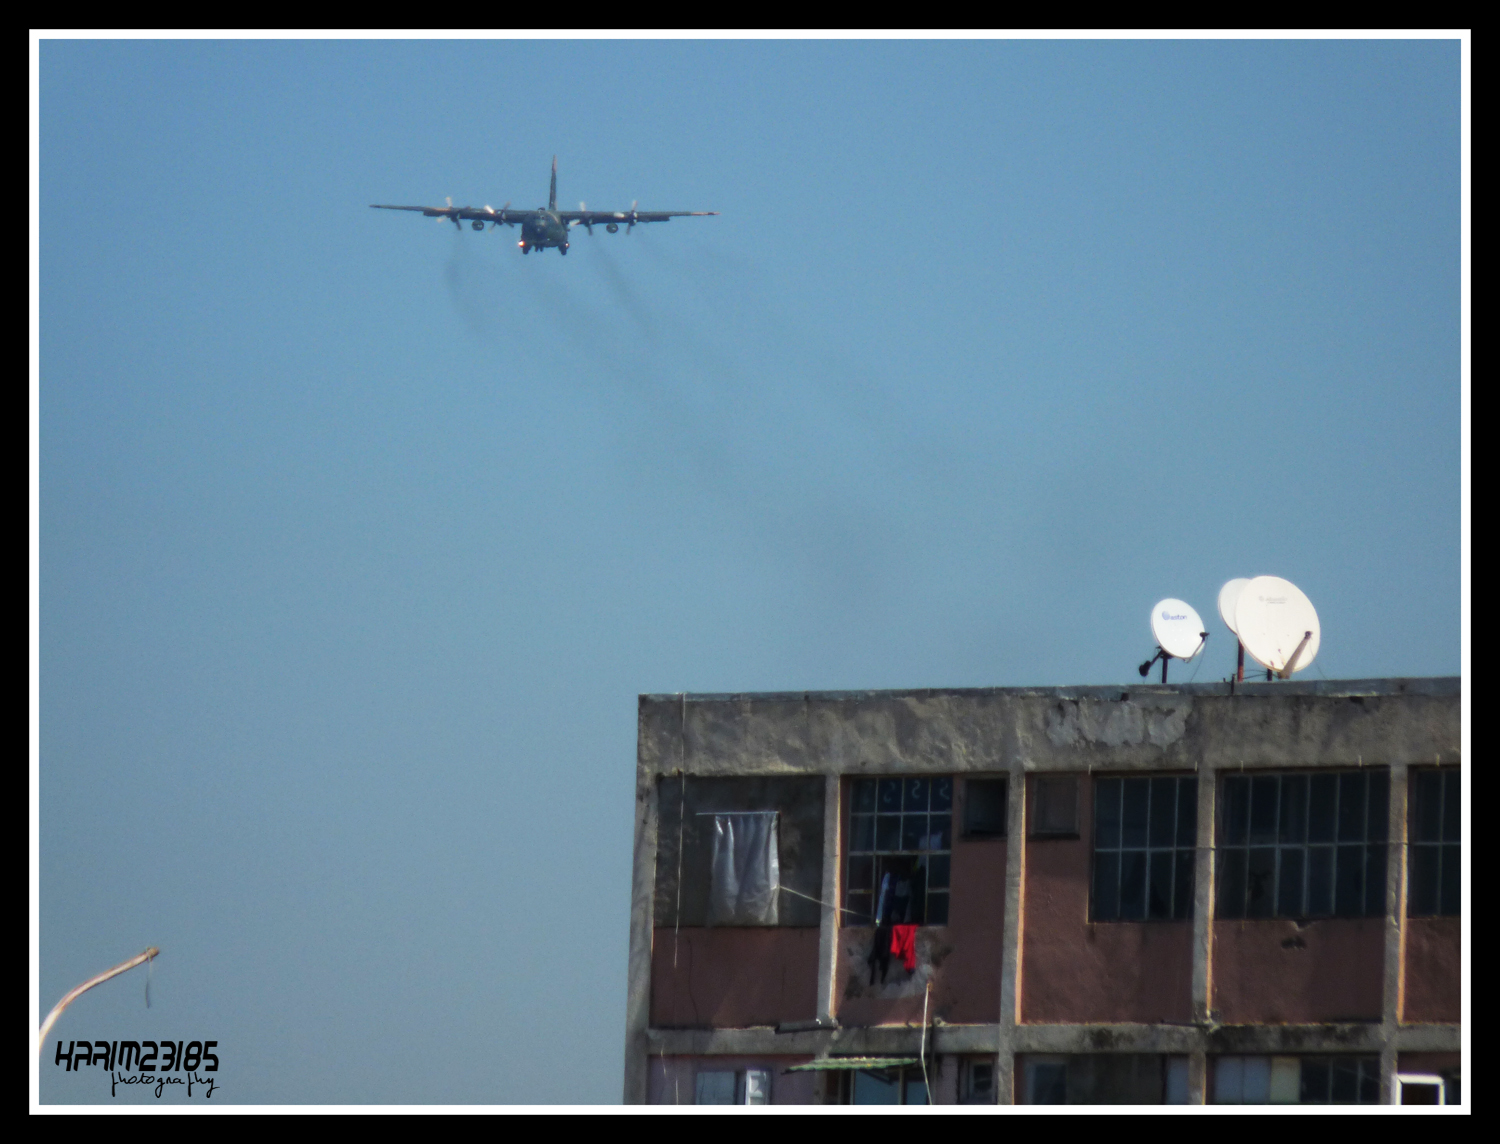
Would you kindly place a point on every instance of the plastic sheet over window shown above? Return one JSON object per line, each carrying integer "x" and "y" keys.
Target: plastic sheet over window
{"x": 746, "y": 873}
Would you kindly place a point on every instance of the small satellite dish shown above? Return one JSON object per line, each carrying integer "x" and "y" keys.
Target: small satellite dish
{"x": 1177, "y": 628}
{"x": 1229, "y": 594}
{"x": 1277, "y": 624}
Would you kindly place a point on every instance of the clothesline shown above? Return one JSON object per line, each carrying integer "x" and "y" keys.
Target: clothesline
{"x": 820, "y": 901}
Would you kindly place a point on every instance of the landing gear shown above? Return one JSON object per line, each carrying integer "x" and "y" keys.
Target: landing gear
{"x": 563, "y": 248}
{"x": 525, "y": 249}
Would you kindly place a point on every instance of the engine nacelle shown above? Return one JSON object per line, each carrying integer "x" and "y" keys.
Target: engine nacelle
{"x": 613, "y": 228}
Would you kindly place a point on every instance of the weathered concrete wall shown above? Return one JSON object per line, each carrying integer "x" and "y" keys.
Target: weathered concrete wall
{"x": 733, "y": 977}
{"x": 1274, "y": 971}
{"x": 1074, "y": 971}
{"x": 955, "y": 731}
{"x": 1432, "y": 990}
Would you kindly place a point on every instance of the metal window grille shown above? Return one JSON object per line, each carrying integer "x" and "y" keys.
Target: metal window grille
{"x": 1433, "y": 831}
{"x": 1145, "y": 831}
{"x": 1302, "y": 845}
{"x": 902, "y": 828}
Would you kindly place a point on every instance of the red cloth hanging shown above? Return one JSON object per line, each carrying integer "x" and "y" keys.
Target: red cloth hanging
{"x": 904, "y": 945}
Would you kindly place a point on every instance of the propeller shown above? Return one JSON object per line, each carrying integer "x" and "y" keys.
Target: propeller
{"x": 453, "y": 218}
{"x": 634, "y": 217}
{"x": 587, "y": 223}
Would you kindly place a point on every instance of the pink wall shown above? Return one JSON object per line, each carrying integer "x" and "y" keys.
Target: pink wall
{"x": 1074, "y": 971}
{"x": 1433, "y": 970}
{"x": 733, "y": 977}
{"x": 1273, "y": 972}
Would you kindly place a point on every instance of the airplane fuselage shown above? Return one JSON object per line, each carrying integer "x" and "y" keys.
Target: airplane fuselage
{"x": 543, "y": 229}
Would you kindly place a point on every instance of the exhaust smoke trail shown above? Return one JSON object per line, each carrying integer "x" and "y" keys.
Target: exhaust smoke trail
{"x": 789, "y": 469}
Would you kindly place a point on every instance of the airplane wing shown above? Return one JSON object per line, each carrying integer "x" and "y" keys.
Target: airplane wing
{"x": 483, "y": 214}
{"x": 603, "y": 218}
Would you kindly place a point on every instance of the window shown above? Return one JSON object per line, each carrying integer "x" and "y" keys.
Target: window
{"x": 743, "y": 1086}
{"x": 1046, "y": 1082}
{"x": 900, "y": 848}
{"x": 1341, "y": 1080}
{"x": 1303, "y": 845}
{"x": 1176, "y": 1087}
{"x": 1054, "y": 806}
{"x": 1421, "y": 1088}
{"x": 1433, "y": 831}
{"x": 985, "y": 808}
{"x": 978, "y": 1081}
{"x": 1102, "y": 1078}
{"x": 1296, "y": 1080}
{"x": 1257, "y": 1080}
{"x": 1145, "y": 835}
{"x": 903, "y": 1085}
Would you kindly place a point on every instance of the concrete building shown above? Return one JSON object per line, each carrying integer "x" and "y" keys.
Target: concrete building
{"x": 1181, "y": 894}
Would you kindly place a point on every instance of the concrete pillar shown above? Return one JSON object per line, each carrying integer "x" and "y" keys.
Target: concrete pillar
{"x": 828, "y": 926}
{"x": 1203, "y": 929}
{"x": 1010, "y": 964}
{"x": 1395, "y": 928}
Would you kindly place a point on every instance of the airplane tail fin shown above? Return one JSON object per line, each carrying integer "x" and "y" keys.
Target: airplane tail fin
{"x": 552, "y": 194}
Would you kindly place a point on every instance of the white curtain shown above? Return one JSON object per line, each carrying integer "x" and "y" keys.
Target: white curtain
{"x": 746, "y": 875}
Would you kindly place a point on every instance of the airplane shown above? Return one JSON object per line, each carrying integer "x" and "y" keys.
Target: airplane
{"x": 545, "y": 226}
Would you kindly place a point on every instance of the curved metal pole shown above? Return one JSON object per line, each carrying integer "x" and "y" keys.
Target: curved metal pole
{"x": 73, "y": 994}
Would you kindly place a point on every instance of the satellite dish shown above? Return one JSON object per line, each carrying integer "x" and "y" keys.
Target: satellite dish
{"x": 1179, "y": 631}
{"x": 1229, "y": 595}
{"x": 1177, "y": 628}
{"x": 1229, "y": 598}
{"x": 1277, "y": 624}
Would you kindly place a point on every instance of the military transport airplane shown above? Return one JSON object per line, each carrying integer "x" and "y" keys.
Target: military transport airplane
{"x": 545, "y": 226}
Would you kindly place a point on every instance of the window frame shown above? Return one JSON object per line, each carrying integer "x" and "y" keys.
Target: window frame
{"x": 740, "y": 1085}
{"x": 887, "y": 840}
{"x": 1270, "y": 865}
{"x": 1366, "y": 1077}
{"x": 1179, "y": 849}
{"x": 907, "y": 1076}
{"x": 969, "y": 833}
{"x": 1444, "y": 851}
{"x": 1035, "y": 830}
{"x": 967, "y": 1091}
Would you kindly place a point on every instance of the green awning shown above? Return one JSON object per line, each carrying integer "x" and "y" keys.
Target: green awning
{"x": 829, "y": 1064}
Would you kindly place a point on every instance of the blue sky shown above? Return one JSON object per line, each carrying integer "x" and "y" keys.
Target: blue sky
{"x": 359, "y": 536}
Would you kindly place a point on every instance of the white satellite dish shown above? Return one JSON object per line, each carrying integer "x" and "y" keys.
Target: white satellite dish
{"x": 1277, "y": 624}
{"x": 1179, "y": 631}
{"x": 1229, "y": 595}
{"x": 1177, "y": 628}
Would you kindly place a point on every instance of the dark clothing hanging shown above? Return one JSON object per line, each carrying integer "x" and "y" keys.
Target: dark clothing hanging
{"x": 880, "y": 954}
